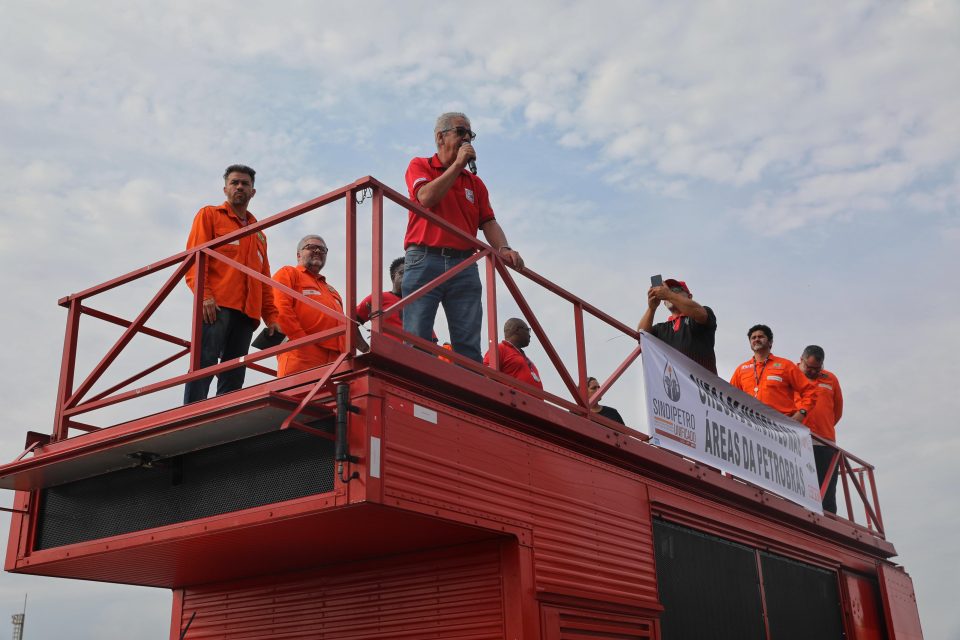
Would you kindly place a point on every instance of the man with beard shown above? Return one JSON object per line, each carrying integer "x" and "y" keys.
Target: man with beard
{"x": 823, "y": 418}
{"x": 772, "y": 380}
{"x": 233, "y": 302}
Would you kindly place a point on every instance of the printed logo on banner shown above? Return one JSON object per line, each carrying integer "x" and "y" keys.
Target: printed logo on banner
{"x": 670, "y": 383}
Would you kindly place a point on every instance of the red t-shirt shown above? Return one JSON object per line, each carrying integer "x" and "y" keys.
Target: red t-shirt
{"x": 466, "y": 206}
{"x": 394, "y": 319}
{"x": 514, "y": 362}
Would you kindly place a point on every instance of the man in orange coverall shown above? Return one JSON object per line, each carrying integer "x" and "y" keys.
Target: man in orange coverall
{"x": 823, "y": 418}
{"x": 233, "y": 302}
{"x": 773, "y": 380}
{"x": 298, "y": 319}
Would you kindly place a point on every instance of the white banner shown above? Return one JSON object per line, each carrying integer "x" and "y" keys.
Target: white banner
{"x": 698, "y": 415}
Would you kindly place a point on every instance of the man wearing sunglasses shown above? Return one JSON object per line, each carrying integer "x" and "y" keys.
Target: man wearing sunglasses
{"x": 233, "y": 302}
{"x": 691, "y": 328}
{"x": 443, "y": 185}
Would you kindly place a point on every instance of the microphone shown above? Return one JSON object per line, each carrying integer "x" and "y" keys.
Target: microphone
{"x": 471, "y": 163}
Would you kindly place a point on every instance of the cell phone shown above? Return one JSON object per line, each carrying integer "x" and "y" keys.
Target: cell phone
{"x": 656, "y": 281}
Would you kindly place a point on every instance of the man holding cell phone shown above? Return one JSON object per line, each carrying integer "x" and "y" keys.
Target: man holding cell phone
{"x": 691, "y": 328}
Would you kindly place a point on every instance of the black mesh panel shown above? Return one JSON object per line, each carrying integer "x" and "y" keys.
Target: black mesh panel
{"x": 270, "y": 468}
{"x": 709, "y": 587}
{"x": 802, "y": 601}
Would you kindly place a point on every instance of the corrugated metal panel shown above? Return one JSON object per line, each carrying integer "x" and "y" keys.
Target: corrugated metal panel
{"x": 590, "y": 521}
{"x": 446, "y": 596}
{"x": 574, "y": 624}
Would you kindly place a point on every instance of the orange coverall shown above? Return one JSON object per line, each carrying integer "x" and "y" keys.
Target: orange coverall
{"x": 298, "y": 319}
{"x": 774, "y": 383}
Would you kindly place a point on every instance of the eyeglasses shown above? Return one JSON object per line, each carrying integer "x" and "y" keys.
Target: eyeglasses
{"x": 314, "y": 248}
{"x": 677, "y": 289}
{"x": 461, "y": 131}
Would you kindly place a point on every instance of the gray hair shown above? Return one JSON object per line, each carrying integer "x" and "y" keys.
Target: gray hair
{"x": 304, "y": 239}
{"x": 445, "y": 120}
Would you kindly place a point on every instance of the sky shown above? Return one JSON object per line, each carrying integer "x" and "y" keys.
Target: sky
{"x": 798, "y": 164}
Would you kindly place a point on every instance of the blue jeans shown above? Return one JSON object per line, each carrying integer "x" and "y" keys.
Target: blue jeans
{"x": 226, "y": 339}
{"x": 460, "y": 297}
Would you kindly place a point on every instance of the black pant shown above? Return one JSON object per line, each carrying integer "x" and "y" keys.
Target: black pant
{"x": 822, "y": 455}
{"x": 226, "y": 339}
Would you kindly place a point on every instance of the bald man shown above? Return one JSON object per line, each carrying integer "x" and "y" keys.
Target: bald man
{"x": 513, "y": 361}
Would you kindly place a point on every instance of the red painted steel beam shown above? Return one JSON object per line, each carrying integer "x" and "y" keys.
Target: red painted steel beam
{"x": 619, "y": 371}
{"x": 107, "y": 317}
{"x": 376, "y": 242}
{"x": 876, "y": 499}
{"x": 316, "y": 389}
{"x": 350, "y": 269}
{"x": 142, "y": 374}
{"x": 67, "y": 364}
{"x": 91, "y": 405}
{"x": 493, "y": 324}
{"x": 128, "y": 335}
{"x": 538, "y": 330}
{"x": 260, "y": 225}
{"x": 581, "y": 354}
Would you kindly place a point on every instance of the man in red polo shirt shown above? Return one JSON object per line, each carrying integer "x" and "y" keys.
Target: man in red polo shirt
{"x": 388, "y": 298}
{"x": 513, "y": 361}
{"x": 772, "y": 380}
{"x": 443, "y": 185}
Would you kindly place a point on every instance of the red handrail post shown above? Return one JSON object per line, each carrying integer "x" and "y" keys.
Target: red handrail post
{"x": 376, "y": 276}
{"x": 67, "y": 364}
{"x": 581, "y": 351}
{"x": 351, "y": 271}
{"x": 196, "y": 326}
{"x": 876, "y": 501}
{"x": 493, "y": 338}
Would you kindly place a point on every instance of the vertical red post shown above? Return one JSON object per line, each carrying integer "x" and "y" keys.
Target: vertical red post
{"x": 351, "y": 270}
{"x": 845, "y": 469}
{"x": 196, "y": 327}
{"x": 67, "y": 364}
{"x": 581, "y": 350}
{"x": 492, "y": 331}
{"x": 876, "y": 501}
{"x": 376, "y": 281}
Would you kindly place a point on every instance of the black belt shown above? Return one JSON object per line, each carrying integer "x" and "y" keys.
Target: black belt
{"x": 446, "y": 252}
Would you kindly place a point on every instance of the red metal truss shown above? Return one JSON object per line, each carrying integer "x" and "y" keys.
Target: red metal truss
{"x": 73, "y": 401}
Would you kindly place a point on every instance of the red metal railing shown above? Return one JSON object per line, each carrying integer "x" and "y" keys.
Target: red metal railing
{"x": 75, "y": 400}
